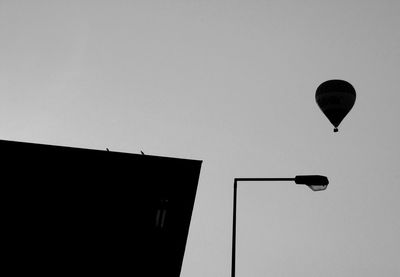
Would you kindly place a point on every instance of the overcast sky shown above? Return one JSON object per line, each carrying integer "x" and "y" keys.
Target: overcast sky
{"x": 231, "y": 83}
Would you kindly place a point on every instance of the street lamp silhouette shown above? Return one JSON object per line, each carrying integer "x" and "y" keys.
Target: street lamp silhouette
{"x": 314, "y": 182}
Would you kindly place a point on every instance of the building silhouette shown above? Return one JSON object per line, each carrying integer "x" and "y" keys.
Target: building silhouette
{"x": 80, "y": 211}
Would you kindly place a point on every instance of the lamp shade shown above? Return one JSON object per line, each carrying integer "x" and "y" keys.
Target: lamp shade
{"x": 314, "y": 182}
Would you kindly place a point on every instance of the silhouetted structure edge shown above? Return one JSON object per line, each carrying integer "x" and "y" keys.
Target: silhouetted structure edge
{"x": 71, "y": 210}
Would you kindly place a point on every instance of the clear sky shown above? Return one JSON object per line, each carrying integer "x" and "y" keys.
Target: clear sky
{"x": 231, "y": 83}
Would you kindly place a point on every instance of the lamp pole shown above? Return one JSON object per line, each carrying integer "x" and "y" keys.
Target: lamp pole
{"x": 315, "y": 182}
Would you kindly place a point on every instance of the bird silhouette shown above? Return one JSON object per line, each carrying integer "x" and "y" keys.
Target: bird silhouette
{"x": 142, "y": 152}
{"x": 108, "y": 150}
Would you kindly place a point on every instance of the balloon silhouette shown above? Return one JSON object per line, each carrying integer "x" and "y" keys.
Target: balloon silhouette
{"x": 335, "y": 99}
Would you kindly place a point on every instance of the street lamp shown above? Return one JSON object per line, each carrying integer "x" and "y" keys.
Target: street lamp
{"x": 314, "y": 182}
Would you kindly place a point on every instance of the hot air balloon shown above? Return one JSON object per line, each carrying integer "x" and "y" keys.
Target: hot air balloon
{"x": 335, "y": 99}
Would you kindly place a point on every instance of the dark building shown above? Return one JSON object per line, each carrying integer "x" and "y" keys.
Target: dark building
{"x": 81, "y": 211}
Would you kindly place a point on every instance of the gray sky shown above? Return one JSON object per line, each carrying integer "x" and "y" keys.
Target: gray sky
{"x": 231, "y": 83}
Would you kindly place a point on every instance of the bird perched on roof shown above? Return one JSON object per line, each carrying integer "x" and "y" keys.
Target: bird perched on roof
{"x": 108, "y": 150}
{"x": 142, "y": 152}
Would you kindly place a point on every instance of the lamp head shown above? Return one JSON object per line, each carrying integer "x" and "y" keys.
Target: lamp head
{"x": 314, "y": 182}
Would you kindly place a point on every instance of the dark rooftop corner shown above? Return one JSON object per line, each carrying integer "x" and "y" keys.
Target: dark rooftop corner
{"x": 96, "y": 211}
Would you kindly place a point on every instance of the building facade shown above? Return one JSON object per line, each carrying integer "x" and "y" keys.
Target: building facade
{"x": 81, "y": 211}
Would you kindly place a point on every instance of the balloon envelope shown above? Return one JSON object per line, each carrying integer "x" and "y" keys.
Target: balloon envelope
{"x": 335, "y": 99}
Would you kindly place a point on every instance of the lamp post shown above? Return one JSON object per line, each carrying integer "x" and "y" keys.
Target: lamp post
{"x": 314, "y": 182}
